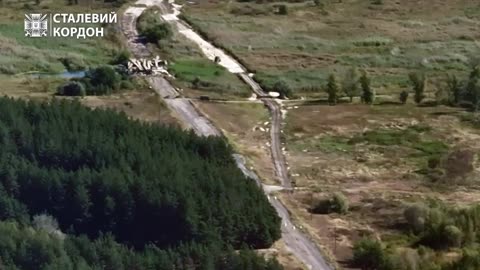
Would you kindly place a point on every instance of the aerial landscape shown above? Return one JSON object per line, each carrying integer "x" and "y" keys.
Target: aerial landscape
{"x": 240, "y": 134}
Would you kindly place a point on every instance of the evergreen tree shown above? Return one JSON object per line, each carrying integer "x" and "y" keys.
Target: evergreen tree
{"x": 454, "y": 90}
{"x": 418, "y": 84}
{"x": 332, "y": 90}
{"x": 368, "y": 94}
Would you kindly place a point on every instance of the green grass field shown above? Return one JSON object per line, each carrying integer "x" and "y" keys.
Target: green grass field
{"x": 204, "y": 75}
{"x": 388, "y": 40}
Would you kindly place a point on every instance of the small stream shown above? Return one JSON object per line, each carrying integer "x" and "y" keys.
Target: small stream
{"x": 63, "y": 75}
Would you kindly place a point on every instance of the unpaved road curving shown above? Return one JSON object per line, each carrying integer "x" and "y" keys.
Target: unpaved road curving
{"x": 295, "y": 241}
{"x": 181, "y": 107}
{"x": 276, "y": 147}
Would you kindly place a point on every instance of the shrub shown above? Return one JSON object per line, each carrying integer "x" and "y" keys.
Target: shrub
{"x": 418, "y": 84}
{"x": 102, "y": 80}
{"x": 370, "y": 254}
{"x": 126, "y": 85}
{"x": 282, "y": 88}
{"x": 459, "y": 163}
{"x": 249, "y": 10}
{"x": 454, "y": 90}
{"x": 470, "y": 260}
{"x": 282, "y": 10}
{"x": 319, "y": 3}
{"x": 121, "y": 58}
{"x": 453, "y": 236}
{"x": 406, "y": 259}
{"x": 152, "y": 27}
{"x": 158, "y": 32}
{"x": 434, "y": 162}
{"x": 415, "y": 216}
{"x": 72, "y": 88}
{"x": 338, "y": 203}
{"x": 433, "y": 234}
{"x": 72, "y": 64}
{"x": 403, "y": 97}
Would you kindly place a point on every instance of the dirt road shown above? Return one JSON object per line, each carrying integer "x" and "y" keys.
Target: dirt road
{"x": 297, "y": 243}
{"x": 276, "y": 146}
{"x": 182, "y": 108}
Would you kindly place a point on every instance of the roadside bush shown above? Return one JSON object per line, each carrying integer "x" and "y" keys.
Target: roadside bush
{"x": 155, "y": 33}
{"x": 369, "y": 254}
{"x": 126, "y": 85}
{"x": 338, "y": 203}
{"x": 71, "y": 88}
{"x": 282, "y": 88}
{"x": 102, "y": 80}
{"x": 121, "y": 58}
{"x": 152, "y": 27}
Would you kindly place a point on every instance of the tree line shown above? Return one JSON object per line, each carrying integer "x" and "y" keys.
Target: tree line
{"x": 102, "y": 80}
{"x": 454, "y": 92}
{"x": 99, "y": 173}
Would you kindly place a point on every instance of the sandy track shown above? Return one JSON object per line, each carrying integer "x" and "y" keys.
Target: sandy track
{"x": 276, "y": 149}
{"x": 182, "y": 108}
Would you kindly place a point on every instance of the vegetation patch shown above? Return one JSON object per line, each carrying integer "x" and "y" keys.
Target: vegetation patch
{"x": 98, "y": 81}
{"x": 337, "y": 203}
{"x": 202, "y": 74}
{"x": 409, "y": 137}
{"x": 151, "y": 27}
